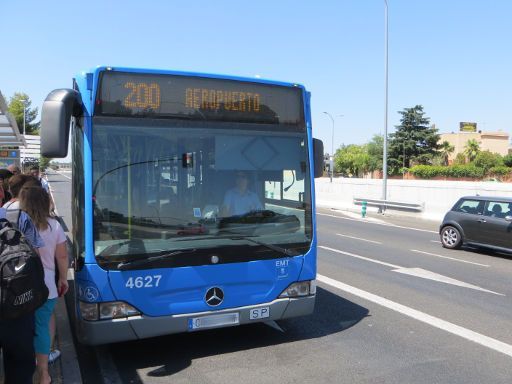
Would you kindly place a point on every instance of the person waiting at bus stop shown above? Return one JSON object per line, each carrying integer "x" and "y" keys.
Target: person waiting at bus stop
{"x": 15, "y": 184}
{"x": 14, "y": 169}
{"x": 17, "y": 336}
{"x": 5, "y": 195}
{"x": 36, "y": 202}
{"x": 240, "y": 200}
{"x": 34, "y": 171}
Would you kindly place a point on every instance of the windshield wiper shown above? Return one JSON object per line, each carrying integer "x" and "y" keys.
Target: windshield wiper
{"x": 138, "y": 262}
{"x": 238, "y": 236}
{"x": 135, "y": 246}
{"x": 284, "y": 251}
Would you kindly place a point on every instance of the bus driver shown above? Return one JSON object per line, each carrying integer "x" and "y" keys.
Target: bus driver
{"x": 240, "y": 200}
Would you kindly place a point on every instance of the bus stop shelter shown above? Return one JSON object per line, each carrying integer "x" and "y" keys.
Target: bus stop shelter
{"x": 10, "y": 137}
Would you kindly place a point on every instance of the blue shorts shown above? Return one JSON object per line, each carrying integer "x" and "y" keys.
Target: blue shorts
{"x": 42, "y": 340}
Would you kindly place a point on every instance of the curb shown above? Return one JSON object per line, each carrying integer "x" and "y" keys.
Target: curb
{"x": 70, "y": 369}
{"x": 388, "y": 213}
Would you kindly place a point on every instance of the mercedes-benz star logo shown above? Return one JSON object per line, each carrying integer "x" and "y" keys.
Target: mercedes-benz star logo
{"x": 214, "y": 296}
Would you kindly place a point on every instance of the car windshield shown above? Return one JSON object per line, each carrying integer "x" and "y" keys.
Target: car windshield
{"x": 157, "y": 188}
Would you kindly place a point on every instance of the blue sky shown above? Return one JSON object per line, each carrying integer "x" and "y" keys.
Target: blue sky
{"x": 451, "y": 56}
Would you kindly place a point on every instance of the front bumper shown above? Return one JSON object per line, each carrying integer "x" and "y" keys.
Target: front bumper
{"x": 142, "y": 327}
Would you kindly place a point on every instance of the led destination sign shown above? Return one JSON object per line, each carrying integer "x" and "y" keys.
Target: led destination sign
{"x": 198, "y": 98}
{"x": 218, "y": 99}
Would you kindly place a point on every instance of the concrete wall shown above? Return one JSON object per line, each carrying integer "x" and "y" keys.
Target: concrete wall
{"x": 437, "y": 195}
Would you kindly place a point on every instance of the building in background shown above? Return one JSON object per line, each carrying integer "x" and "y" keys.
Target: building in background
{"x": 496, "y": 142}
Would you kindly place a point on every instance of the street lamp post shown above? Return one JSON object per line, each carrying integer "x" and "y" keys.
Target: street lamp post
{"x": 405, "y": 142}
{"x": 24, "y": 101}
{"x": 385, "y": 149}
{"x": 403, "y": 162}
{"x": 24, "y": 118}
{"x": 331, "y": 157}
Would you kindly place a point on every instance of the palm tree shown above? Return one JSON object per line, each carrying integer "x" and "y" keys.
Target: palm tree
{"x": 471, "y": 149}
{"x": 445, "y": 150}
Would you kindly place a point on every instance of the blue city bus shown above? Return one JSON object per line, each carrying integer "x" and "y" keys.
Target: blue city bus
{"x": 192, "y": 200}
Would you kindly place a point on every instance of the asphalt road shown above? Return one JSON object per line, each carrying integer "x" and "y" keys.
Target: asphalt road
{"x": 393, "y": 306}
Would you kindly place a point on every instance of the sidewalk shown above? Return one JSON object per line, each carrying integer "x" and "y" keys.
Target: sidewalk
{"x": 66, "y": 368}
{"x": 56, "y": 368}
{"x": 406, "y": 219}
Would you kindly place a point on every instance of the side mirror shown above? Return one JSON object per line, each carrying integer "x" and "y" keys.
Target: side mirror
{"x": 318, "y": 157}
{"x": 56, "y": 113}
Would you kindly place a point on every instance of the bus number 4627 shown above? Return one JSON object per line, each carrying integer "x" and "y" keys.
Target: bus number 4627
{"x": 143, "y": 281}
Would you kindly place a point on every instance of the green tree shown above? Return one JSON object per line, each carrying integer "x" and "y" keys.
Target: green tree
{"x": 471, "y": 149}
{"x": 352, "y": 160}
{"x": 414, "y": 141}
{"x": 445, "y": 151}
{"x": 439, "y": 160}
{"x": 375, "y": 148}
{"x": 507, "y": 160}
{"x": 359, "y": 159}
{"x": 44, "y": 162}
{"x": 16, "y": 105}
{"x": 488, "y": 160}
{"x": 460, "y": 159}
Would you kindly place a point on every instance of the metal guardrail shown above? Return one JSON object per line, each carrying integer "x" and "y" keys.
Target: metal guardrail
{"x": 389, "y": 204}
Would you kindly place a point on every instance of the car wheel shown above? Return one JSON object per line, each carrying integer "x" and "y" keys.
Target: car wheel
{"x": 451, "y": 237}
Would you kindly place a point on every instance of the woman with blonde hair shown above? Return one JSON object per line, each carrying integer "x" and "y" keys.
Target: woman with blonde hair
{"x": 36, "y": 202}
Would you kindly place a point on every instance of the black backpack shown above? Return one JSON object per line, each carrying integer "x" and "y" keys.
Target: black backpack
{"x": 22, "y": 286}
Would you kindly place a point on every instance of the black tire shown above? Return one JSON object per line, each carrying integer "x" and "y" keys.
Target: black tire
{"x": 451, "y": 237}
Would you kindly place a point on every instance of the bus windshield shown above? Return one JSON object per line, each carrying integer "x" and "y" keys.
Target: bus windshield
{"x": 162, "y": 186}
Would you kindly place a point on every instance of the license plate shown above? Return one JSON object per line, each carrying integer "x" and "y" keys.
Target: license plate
{"x": 259, "y": 313}
{"x": 213, "y": 321}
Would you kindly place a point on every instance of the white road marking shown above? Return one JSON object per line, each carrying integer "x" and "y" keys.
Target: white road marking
{"x": 345, "y": 218}
{"x": 435, "y": 241}
{"x": 358, "y": 238}
{"x": 449, "y": 258}
{"x": 412, "y": 229}
{"x": 454, "y": 329}
{"x": 424, "y": 274}
{"x": 357, "y": 216}
{"x": 67, "y": 177}
{"x": 377, "y": 223}
{"x": 417, "y": 272}
{"x": 361, "y": 257}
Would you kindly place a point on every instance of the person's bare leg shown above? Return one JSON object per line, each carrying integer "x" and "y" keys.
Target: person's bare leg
{"x": 42, "y": 369}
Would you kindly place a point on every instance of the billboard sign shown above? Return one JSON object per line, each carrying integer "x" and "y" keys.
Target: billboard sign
{"x": 467, "y": 127}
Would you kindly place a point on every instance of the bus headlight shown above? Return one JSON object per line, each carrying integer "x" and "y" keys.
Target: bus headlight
{"x": 106, "y": 311}
{"x": 299, "y": 289}
{"x": 89, "y": 311}
{"x": 116, "y": 310}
